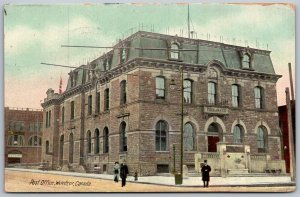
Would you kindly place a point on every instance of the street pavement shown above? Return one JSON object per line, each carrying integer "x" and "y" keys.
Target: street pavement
{"x": 22, "y": 180}
{"x": 190, "y": 181}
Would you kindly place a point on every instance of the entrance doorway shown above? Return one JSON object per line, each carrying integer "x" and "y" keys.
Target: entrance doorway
{"x": 215, "y": 134}
{"x": 212, "y": 143}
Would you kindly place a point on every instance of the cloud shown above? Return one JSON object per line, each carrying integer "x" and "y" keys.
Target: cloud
{"x": 19, "y": 39}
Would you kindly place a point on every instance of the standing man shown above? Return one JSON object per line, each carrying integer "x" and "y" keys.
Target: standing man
{"x": 123, "y": 173}
{"x": 116, "y": 171}
{"x": 205, "y": 173}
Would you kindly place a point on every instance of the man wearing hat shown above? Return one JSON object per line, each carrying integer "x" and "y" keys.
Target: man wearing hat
{"x": 123, "y": 173}
{"x": 205, "y": 173}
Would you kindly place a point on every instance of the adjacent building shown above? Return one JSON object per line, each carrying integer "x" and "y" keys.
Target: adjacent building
{"x": 23, "y": 136}
{"x": 121, "y": 107}
{"x": 283, "y": 122}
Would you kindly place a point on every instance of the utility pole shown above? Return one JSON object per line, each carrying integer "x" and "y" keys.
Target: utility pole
{"x": 291, "y": 135}
{"x": 188, "y": 20}
{"x": 291, "y": 82}
{"x": 181, "y": 131}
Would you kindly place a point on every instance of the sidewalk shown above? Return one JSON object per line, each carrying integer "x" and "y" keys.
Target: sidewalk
{"x": 187, "y": 182}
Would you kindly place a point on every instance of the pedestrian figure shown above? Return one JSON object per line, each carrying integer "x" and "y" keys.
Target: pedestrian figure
{"x": 116, "y": 171}
{"x": 123, "y": 173}
{"x": 205, "y": 173}
{"x": 135, "y": 176}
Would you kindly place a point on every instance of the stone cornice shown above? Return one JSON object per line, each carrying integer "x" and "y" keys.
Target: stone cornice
{"x": 158, "y": 64}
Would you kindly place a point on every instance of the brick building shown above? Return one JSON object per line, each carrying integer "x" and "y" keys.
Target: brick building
{"x": 283, "y": 122}
{"x": 121, "y": 107}
{"x": 23, "y": 136}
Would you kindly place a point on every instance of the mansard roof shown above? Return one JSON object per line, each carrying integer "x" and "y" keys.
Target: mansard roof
{"x": 156, "y": 46}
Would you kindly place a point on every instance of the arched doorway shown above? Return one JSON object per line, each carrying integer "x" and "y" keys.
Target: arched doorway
{"x": 214, "y": 136}
{"x": 61, "y": 150}
{"x": 71, "y": 142}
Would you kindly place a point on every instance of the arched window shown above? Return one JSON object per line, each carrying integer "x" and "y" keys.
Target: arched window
{"x": 123, "y": 137}
{"x": 35, "y": 141}
{"x": 16, "y": 140}
{"x": 47, "y": 147}
{"x": 212, "y": 93}
{"x": 161, "y": 136}
{"x": 258, "y": 92}
{"x": 89, "y": 142}
{"x": 213, "y": 128}
{"x": 235, "y": 91}
{"x": 160, "y": 87}
{"x": 174, "y": 51}
{"x": 187, "y": 85}
{"x": 246, "y": 61}
{"x": 262, "y": 139}
{"x": 188, "y": 137}
{"x": 105, "y": 140}
{"x": 96, "y": 143}
{"x": 123, "y": 92}
{"x": 238, "y": 134}
{"x": 71, "y": 146}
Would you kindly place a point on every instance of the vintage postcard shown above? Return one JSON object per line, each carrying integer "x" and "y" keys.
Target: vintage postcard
{"x": 180, "y": 97}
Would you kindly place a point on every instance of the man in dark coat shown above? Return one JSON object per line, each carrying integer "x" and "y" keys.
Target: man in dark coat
{"x": 205, "y": 173}
{"x": 123, "y": 173}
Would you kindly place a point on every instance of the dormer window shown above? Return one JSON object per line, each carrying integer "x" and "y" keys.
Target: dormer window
{"x": 174, "y": 51}
{"x": 109, "y": 62}
{"x": 105, "y": 64}
{"x": 71, "y": 80}
{"x": 246, "y": 61}
{"x": 122, "y": 55}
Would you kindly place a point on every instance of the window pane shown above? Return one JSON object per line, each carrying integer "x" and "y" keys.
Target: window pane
{"x": 163, "y": 143}
{"x": 235, "y": 95}
{"x": 237, "y": 134}
{"x": 160, "y": 87}
{"x": 160, "y": 83}
{"x": 187, "y": 91}
{"x": 174, "y": 51}
{"x": 246, "y": 61}
{"x": 257, "y": 92}
{"x": 257, "y": 103}
{"x": 211, "y": 99}
{"x": 161, "y": 136}
{"x": 235, "y": 90}
{"x": 213, "y": 128}
{"x": 160, "y": 93}
{"x": 188, "y": 137}
{"x": 234, "y": 102}
{"x": 157, "y": 143}
{"x": 187, "y": 97}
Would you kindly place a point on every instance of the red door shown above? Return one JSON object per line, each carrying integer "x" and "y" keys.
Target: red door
{"x": 212, "y": 143}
